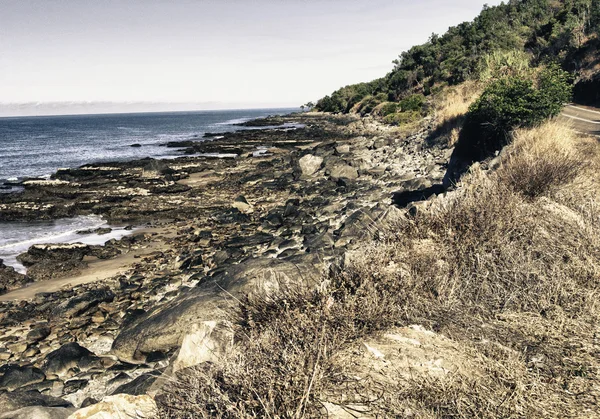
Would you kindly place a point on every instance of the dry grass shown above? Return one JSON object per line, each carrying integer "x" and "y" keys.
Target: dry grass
{"x": 456, "y": 101}
{"x": 451, "y": 108}
{"x": 508, "y": 267}
{"x": 544, "y": 159}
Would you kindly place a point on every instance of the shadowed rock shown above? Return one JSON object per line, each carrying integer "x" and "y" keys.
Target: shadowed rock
{"x": 68, "y": 356}
{"x": 164, "y": 328}
{"x": 16, "y": 377}
{"x": 138, "y": 386}
{"x": 37, "y": 412}
{"x": 18, "y": 399}
{"x": 11, "y": 279}
{"x": 38, "y": 334}
{"x": 79, "y": 305}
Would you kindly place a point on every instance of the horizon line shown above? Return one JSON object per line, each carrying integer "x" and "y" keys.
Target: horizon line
{"x": 139, "y": 112}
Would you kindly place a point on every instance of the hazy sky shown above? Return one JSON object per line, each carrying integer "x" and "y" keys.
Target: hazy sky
{"x": 274, "y": 52}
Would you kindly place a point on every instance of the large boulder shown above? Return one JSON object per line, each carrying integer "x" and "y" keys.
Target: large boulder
{"x": 37, "y": 412}
{"x": 16, "y": 376}
{"x": 119, "y": 406}
{"x": 10, "y": 401}
{"x": 203, "y": 343}
{"x": 164, "y": 328}
{"x": 309, "y": 164}
{"x": 70, "y": 356}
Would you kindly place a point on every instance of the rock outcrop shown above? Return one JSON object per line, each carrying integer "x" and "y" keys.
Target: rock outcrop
{"x": 11, "y": 279}
{"x": 277, "y": 217}
{"x": 201, "y": 309}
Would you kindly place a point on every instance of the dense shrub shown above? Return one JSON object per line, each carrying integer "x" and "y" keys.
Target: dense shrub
{"x": 369, "y": 103}
{"x": 401, "y": 118}
{"x": 388, "y": 108}
{"x": 509, "y": 103}
{"x": 594, "y": 23}
{"x": 412, "y": 103}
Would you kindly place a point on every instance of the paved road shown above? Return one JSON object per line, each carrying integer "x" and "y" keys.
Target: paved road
{"x": 584, "y": 119}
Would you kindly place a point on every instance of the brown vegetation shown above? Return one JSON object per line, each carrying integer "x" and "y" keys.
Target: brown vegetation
{"x": 507, "y": 268}
{"x": 452, "y": 106}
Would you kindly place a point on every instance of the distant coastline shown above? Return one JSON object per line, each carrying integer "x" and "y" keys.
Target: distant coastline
{"x": 32, "y": 109}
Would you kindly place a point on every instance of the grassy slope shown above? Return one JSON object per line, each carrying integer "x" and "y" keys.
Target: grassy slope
{"x": 506, "y": 271}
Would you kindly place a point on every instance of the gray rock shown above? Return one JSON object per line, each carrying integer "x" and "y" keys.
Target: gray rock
{"x": 68, "y": 356}
{"x": 37, "y": 412}
{"x": 364, "y": 224}
{"x": 18, "y": 399}
{"x": 343, "y": 149}
{"x": 80, "y": 304}
{"x": 343, "y": 171}
{"x": 164, "y": 328}
{"x": 120, "y": 406}
{"x": 250, "y": 241}
{"x": 241, "y": 203}
{"x": 16, "y": 376}
{"x": 310, "y": 164}
{"x": 10, "y": 279}
{"x": 38, "y": 334}
{"x": 54, "y": 252}
{"x": 138, "y": 386}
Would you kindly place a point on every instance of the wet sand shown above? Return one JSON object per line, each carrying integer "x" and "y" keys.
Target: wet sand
{"x": 97, "y": 270}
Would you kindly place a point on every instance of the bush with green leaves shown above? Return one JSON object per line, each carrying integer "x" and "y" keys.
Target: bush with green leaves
{"x": 412, "y": 103}
{"x": 402, "y": 118}
{"x": 388, "y": 108}
{"x": 510, "y": 103}
{"x": 369, "y": 103}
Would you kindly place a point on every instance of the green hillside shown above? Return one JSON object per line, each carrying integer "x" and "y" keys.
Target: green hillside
{"x": 535, "y": 31}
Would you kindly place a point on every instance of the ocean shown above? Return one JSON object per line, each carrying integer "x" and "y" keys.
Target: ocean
{"x": 38, "y": 146}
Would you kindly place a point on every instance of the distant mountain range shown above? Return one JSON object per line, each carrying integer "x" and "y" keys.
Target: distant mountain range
{"x": 79, "y": 108}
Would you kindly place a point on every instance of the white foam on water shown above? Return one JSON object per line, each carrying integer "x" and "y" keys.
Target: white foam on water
{"x": 233, "y": 121}
{"x": 18, "y": 237}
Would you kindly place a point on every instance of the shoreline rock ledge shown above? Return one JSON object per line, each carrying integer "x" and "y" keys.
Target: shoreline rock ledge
{"x": 276, "y": 218}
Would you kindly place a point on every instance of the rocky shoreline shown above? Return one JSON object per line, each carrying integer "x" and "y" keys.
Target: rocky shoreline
{"x": 240, "y": 214}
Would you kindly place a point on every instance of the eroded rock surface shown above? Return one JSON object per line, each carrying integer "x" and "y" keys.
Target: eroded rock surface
{"x": 244, "y": 216}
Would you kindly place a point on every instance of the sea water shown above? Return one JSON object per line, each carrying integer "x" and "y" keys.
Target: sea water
{"x": 17, "y": 237}
{"x": 38, "y": 146}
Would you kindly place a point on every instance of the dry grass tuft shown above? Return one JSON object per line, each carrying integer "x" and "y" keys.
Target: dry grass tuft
{"x": 456, "y": 101}
{"x": 544, "y": 159}
{"x": 508, "y": 267}
{"x": 285, "y": 360}
{"x": 451, "y": 108}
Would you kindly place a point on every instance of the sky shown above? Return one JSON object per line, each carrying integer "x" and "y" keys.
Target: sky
{"x": 211, "y": 53}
